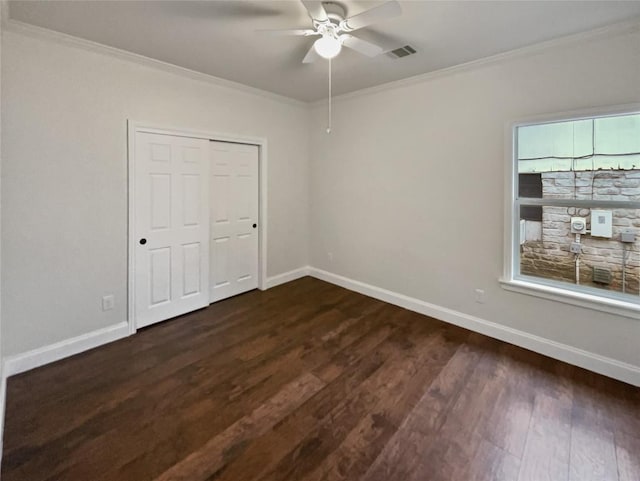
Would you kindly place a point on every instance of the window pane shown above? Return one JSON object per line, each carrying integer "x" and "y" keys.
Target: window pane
{"x": 582, "y": 159}
{"x": 605, "y": 263}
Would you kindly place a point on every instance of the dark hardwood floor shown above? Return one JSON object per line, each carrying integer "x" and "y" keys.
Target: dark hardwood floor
{"x": 310, "y": 382}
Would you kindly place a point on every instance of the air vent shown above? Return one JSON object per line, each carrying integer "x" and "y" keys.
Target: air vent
{"x": 601, "y": 275}
{"x": 402, "y": 52}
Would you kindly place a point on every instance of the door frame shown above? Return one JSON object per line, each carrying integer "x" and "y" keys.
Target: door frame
{"x": 133, "y": 127}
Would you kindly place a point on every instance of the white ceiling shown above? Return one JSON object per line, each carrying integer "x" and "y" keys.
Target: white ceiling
{"x": 219, "y": 37}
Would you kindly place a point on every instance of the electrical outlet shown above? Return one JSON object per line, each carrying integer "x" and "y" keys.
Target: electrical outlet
{"x": 330, "y": 256}
{"x": 576, "y": 247}
{"x": 108, "y": 302}
{"x": 480, "y": 297}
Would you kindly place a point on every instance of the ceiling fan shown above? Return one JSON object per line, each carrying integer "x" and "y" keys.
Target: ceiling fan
{"x": 334, "y": 30}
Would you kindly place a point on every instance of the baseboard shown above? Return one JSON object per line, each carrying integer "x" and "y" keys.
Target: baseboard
{"x": 563, "y": 352}
{"x": 54, "y": 352}
{"x": 287, "y": 277}
{"x": 3, "y": 397}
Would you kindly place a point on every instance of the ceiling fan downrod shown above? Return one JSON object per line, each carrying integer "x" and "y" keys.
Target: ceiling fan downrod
{"x": 329, "y": 119}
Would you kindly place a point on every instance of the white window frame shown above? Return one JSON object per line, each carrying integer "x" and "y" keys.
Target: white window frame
{"x": 511, "y": 280}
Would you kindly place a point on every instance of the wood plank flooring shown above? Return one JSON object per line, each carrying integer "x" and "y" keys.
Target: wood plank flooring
{"x": 311, "y": 382}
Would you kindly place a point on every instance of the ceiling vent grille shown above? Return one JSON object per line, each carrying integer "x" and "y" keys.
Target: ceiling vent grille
{"x": 601, "y": 275}
{"x": 402, "y": 52}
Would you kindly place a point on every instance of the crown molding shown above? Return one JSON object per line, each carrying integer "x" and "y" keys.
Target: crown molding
{"x": 34, "y": 31}
{"x": 613, "y": 30}
{"x": 27, "y": 29}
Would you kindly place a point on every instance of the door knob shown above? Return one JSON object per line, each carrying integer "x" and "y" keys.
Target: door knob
{"x": 255, "y": 225}
{"x": 143, "y": 241}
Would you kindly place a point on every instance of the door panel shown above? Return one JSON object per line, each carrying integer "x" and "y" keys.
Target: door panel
{"x": 160, "y": 151}
{"x": 192, "y": 256}
{"x": 192, "y": 155}
{"x": 220, "y": 192}
{"x": 172, "y": 215}
{"x": 160, "y": 275}
{"x": 234, "y": 211}
{"x": 191, "y": 204}
{"x": 160, "y": 185}
{"x": 220, "y": 256}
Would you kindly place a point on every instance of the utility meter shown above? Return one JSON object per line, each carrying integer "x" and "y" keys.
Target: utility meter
{"x": 578, "y": 225}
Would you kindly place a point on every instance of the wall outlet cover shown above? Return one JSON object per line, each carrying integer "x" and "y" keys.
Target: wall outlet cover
{"x": 108, "y": 302}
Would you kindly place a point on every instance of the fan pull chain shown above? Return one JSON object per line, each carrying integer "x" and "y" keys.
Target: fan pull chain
{"x": 329, "y": 120}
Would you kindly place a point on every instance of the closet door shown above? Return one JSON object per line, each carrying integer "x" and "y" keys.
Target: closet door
{"x": 171, "y": 186}
{"x": 234, "y": 219}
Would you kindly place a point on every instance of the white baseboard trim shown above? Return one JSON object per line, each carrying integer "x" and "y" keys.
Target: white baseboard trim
{"x": 44, "y": 355}
{"x": 287, "y": 277}
{"x": 54, "y": 352}
{"x": 3, "y": 397}
{"x": 563, "y": 352}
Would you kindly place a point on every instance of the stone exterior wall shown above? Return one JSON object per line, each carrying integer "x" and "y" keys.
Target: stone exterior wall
{"x": 550, "y": 257}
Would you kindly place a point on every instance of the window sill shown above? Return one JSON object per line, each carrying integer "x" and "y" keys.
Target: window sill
{"x": 598, "y": 303}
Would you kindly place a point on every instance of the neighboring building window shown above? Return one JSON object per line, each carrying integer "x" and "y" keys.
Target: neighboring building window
{"x": 530, "y": 185}
{"x": 577, "y": 206}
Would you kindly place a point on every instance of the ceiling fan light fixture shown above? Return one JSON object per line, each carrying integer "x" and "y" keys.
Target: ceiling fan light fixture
{"x": 327, "y": 46}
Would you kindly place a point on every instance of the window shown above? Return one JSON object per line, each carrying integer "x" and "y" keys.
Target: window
{"x": 575, "y": 204}
{"x": 530, "y": 185}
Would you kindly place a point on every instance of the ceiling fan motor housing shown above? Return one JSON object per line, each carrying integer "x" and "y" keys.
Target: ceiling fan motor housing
{"x": 331, "y": 23}
{"x": 335, "y": 11}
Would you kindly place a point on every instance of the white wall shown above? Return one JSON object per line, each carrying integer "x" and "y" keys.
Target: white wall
{"x": 407, "y": 191}
{"x": 3, "y": 381}
{"x": 64, "y": 186}
{"x": 378, "y": 188}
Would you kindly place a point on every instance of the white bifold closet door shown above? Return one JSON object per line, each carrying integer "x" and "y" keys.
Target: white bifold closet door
{"x": 171, "y": 182}
{"x": 234, "y": 194}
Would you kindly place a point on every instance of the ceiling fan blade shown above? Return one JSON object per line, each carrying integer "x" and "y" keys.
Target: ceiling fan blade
{"x": 373, "y": 15}
{"x": 316, "y": 10}
{"x": 311, "y": 55}
{"x": 295, "y": 32}
{"x": 362, "y": 46}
